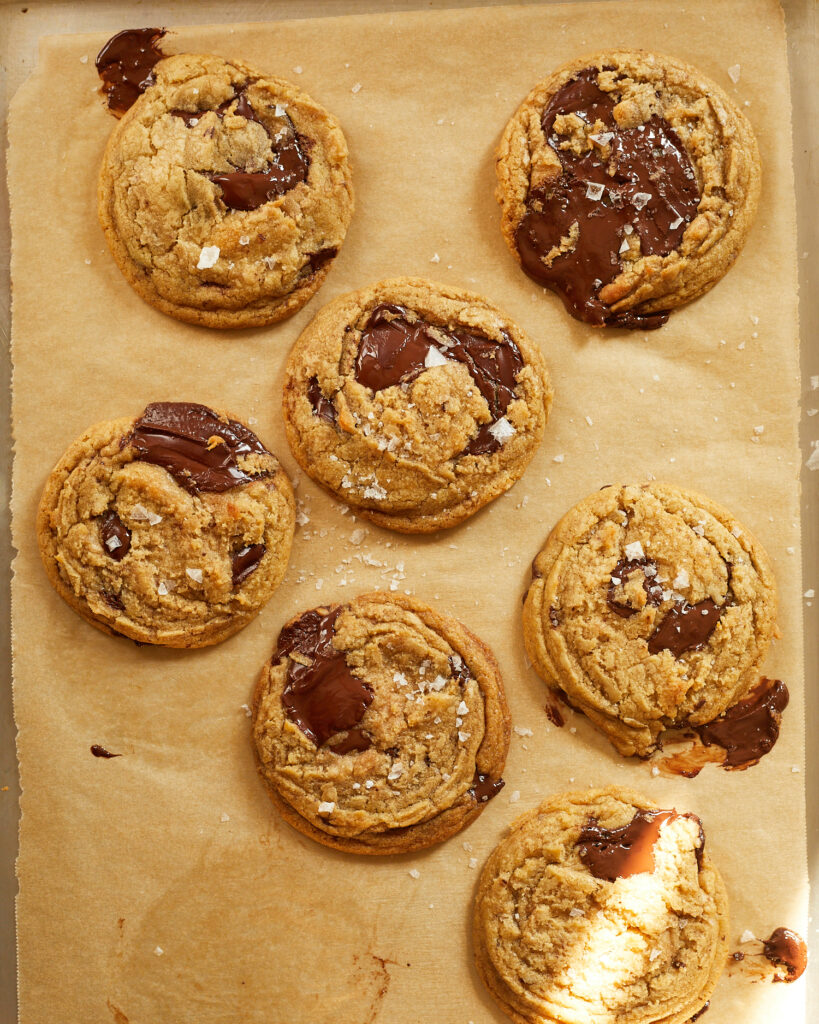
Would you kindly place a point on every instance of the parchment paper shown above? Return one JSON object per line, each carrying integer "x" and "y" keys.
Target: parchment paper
{"x": 161, "y": 886}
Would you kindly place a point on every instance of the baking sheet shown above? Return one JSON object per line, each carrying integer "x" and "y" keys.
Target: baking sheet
{"x": 174, "y": 847}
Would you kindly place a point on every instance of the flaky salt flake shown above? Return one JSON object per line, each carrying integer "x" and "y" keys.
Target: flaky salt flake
{"x": 652, "y": 956}
{"x": 84, "y": 59}
{"x": 208, "y": 257}
{"x": 814, "y": 382}
{"x": 639, "y": 199}
{"x": 795, "y": 769}
{"x": 655, "y": 771}
{"x": 603, "y": 138}
{"x": 700, "y": 532}
{"x": 594, "y": 191}
{"x": 113, "y": 543}
{"x": 194, "y": 574}
{"x": 759, "y": 430}
{"x": 810, "y": 593}
{"x": 464, "y": 736}
{"x": 438, "y": 683}
{"x": 736, "y": 532}
{"x": 675, "y": 224}
{"x": 521, "y": 730}
{"x": 269, "y": 261}
{"x": 298, "y": 69}
{"x": 302, "y": 518}
{"x": 813, "y": 459}
{"x": 395, "y": 772}
{"x": 467, "y": 847}
{"x": 502, "y": 430}
{"x": 369, "y": 784}
{"x": 244, "y": 239}
{"x": 681, "y": 579}
{"x": 434, "y": 358}
{"x": 811, "y": 412}
{"x": 435, "y": 258}
{"x": 375, "y": 491}
{"x": 576, "y": 912}
{"x": 319, "y": 583}
{"x": 634, "y": 550}
{"x": 747, "y": 936}
{"x": 624, "y": 246}
{"x": 357, "y": 536}
{"x": 464, "y": 710}
{"x": 514, "y": 797}
{"x": 140, "y": 513}
{"x": 247, "y": 711}
{"x": 159, "y": 951}
{"x": 326, "y": 807}
{"x": 558, "y": 458}
{"x": 414, "y": 873}
{"x": 165, "y": 587}
{"x": 224, "y": 817}
{"x": 734, "y": 72}
{"x": 473, "y": 862}
{"x": 356, "y": 88}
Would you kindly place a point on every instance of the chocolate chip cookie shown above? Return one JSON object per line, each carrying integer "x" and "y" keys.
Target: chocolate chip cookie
{"x": 415, "y": 403}
{"x": 650, "y": 608}
{"x": 173, "y": 529}
{"x": 380, "y": 725}
{"x": 224, "y": 194}
{"x": 600, "y": 906}
{"x": 628, "y": 183}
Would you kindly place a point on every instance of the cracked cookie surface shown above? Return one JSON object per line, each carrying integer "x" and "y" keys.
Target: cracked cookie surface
{"x": 224, "y": 195}
{"x": 171, "y": 529}
{"x": 628, "y": 183}
{"x": 380, "y": 726}
{"x": 571, "y": 926}
{"x": 414, "y": 403}
{"x": 650, "y": 608}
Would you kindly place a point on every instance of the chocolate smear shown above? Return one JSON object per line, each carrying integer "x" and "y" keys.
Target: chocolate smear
{"x": 321, "y": 406}
{"x": 115, "y": 536}
{"x": 699, "y": 1013}
{"x": 554, "y": 715}
{"x": 484, "y": 787}
{"x": 99, "y": 751}
{"x": 394, "y": 346}
{"x": 685, "y": 627}
{"x": 126, "y": 65}
{"x": 620, "y": 574}
{"x": 322, "y": 697}
{"x": 787, "y": 949}
{"x": 246, "y": 561}
{"x": 644, "y": 188}
{"x": 749, "y": 729}
{"x": 195, "y": 446}
{"x": 622, "y": 852}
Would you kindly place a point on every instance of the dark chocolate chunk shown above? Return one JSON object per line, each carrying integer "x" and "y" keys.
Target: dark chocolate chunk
{"x": 126, "y": 64}
{"x": 198, "y": 449}
{"x": 115, "y": 536}
{"x": 629, "y": 850}
{"x": 354, "y": 740}
{"x": 554, "y": 715}
{"x": 788, "y": 949}
{"x": 322, "y": 407}
{"x": 699, "y": 1013}
{"x": 112, "y": 600}
{"x": 484, "y": 787}
{"x": 646, "y": 187}
{"x": 246, "y": 561}
{"x": 318, "y": 259}
{"x": 457, "y": 667}
{"x": 99, "y": 751}
{"x": 324, "y": 697}
{"x": 621, "y": 572}
{"x": 394, "y": 346}
{"x": 750, "y": 728}
{"x": 685, "y": 627}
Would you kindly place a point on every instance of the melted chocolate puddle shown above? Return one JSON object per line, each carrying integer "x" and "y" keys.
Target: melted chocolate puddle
{"x": 394, "y": 347}
{"x": 646, "y": 187}
{"x": 198, "y": 449}
{"x": 322, "y": 697}
{"x": 787, "y": 949}
{"x": 629, "y": 850}
{"x": 685, "y": 627}
{"x": 484, "y": 787}
{"x": 126, "y": 66}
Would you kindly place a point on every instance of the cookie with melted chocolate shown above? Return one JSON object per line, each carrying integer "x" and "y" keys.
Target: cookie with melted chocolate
{"x": 650, "y": 608}
{"x": 628, "y": 183}
{"x": 415, "y": 403}
{"x": 173, "y": 528}
{"x": 380, "y": 726}
{"x": 599, "y": 905}
{"x": 224, "y": 195}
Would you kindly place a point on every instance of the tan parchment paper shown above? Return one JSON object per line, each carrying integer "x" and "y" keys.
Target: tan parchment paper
{"x": 161, "y": 887}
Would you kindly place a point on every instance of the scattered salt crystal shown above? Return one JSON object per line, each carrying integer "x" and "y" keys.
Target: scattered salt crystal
{"x": 747, "y": 936}
{"x": 681, "y": 579}
{"x": 438, "y": 683}
{"x": 414, "y": 873}
{"x": 676, "y": 224}
{"x": 576, "y": 912}
{"x": 814, "y": 382}
{"x": 589, "y": 420}
{"x": 298, "y": 69}
{"x": 269, "y": 261}
{"x": 225, "y": 817}
{"x": 464, "y": 736}
{"x": 652, "y": 956}
{"x": 634, "y": 550}
{"x": 435, "y": 258}
{"x": 434, "y": 358}
{"x": 159, "y": 951}
{"x": 464, "y": 710}
{"x": 502, "y": 430}
{"x": 194, "y": 574}
{"x": 813, "y": 459}
{"x": 603, "y": 139}
{"x": 639, "y": 199}
{"x": 246, "y": 709}
{"x": 521, "y": 730}
{"x": 84, "y": 59}
{"x": 208, "y": 257}
{"x": 165, "y": 587}
{"x": 655, "y": 770}
{"x": 795, "y": 769}
{"x": 357, "y": 536}
{"x": 139, "y": 512}
{"x": 280, "y": 110}
{"x": 467, "y": 847}
{"x": 734, "y": 73}
{"x": 244, "y": 239}
{"x": 594, "y": 191}
{"x": 113, "y": 543}
{"x": 558, "y": 458}
{"x": 319, "y": 583}
{"x": 375, "y": 491}
{"x": 810, "y": 593}
{"x": 624, "y": 246}
{"x": 514, "y": 797}
{"x": 356, "y": 88}
{"x": 759, "y": 430}
{"x": 473, "y": 862}
{"x": 369, "y": 784}
{"x": 326, "y": 807}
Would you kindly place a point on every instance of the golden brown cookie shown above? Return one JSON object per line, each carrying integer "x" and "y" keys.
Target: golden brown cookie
{"x": 415, "y": 403}
{"x": 600, "y": 908}
{"x": 224, "y": 195}
{"x": 650, "y": 608}
{"x": 380, "y": 725}
{"x": 628, "y": 183}
{"x": 173, "y": 529}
